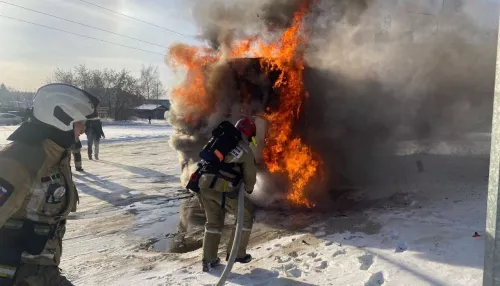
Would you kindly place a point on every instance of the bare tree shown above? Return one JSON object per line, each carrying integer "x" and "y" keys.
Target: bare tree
{"x": 119, "y": 91}
{"x": 62, "y": 76}
{"x": 11, "y": 99}
{"x": 127, "y": 95}
{"x": 158, "y": 90}
{"x": 83, "y": 77}
{"x": 3, "y": 88}
{"x": 150, "y": 84}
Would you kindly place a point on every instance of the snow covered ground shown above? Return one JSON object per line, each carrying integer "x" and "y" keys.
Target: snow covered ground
{"x": 414, "y": 226}
{"x": 115, "y": 131}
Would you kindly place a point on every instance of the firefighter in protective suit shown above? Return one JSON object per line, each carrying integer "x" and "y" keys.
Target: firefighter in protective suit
{"x": 36, "y": 188}
{"x": 217, "y": 200}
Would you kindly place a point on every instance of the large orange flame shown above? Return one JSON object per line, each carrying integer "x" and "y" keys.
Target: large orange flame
{"x": 191, "y": 94}
{"x": 283, "y": 153}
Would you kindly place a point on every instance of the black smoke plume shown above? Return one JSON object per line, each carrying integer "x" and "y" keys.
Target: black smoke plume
{"x": 377, "y": 72}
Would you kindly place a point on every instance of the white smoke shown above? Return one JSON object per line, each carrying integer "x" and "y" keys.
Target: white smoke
{"x": 376, "y": 70}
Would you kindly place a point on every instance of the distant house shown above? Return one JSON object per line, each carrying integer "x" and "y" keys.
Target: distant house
{"x": 103, "y": 111}
{"x": 164, "y": 102}
{"x": 156, "y": 111}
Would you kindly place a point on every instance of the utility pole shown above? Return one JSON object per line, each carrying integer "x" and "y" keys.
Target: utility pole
{"x": 491, "y": 274}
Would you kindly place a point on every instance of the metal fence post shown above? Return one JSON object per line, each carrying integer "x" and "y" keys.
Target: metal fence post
{"x": 491, "y": 275}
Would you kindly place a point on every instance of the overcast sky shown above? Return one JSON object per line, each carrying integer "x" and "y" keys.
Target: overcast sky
{"x": 29, "y": 54}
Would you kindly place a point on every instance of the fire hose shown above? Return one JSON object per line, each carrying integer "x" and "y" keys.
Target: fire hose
{"x": 237, "y": 237}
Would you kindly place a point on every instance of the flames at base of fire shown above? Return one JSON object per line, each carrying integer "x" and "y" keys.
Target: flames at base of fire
{"x": 283, "y": 153}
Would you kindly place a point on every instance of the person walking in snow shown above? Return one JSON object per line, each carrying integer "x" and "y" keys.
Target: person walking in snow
{"x": 218, "y": 195}
{"x": 37, "y": 192}
{"x": 94, "y": 133}
{"x": 76, "y": 150}
{"x": 28, "y": 113}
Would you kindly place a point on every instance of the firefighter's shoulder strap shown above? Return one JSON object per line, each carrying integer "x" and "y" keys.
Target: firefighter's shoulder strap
{"x": 225, "y": 138}
{"x": 225, "y": 171}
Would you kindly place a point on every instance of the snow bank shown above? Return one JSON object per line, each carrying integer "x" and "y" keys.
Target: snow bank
{"x": 117, "y": 131}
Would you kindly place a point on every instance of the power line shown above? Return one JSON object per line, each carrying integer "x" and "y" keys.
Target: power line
{"x": 137, "y": 19}
{"x": 81, "y": 24}
{"x": 76, "y": 34}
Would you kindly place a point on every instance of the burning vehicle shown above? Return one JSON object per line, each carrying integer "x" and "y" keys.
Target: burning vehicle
{"x": 335, "y": 90}
{"x": 268, "y": 87}
{"x": 329, "y": 105}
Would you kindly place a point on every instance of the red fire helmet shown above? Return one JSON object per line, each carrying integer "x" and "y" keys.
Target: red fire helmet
{"x": 247, "y": 127}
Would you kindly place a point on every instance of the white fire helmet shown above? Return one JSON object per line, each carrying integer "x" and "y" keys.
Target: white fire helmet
{"x": 60, "y": 105}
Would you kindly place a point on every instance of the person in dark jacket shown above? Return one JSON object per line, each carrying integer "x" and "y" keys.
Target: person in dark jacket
{"x": 75, "y": 149}
{"x": 28, "y": 113}
{"x": 94, "y": 134}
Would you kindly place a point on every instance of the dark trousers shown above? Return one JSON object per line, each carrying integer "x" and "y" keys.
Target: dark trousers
{"x": 93, "y": 140}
